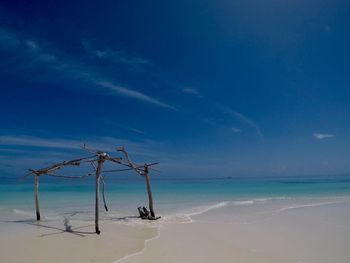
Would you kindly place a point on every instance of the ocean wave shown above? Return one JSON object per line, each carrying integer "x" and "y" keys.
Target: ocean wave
{"x": 244, "y": 202}
{"x": 203, "y": 209}
{"x": 259, "y": 200}
{"x": 186, "y": 216}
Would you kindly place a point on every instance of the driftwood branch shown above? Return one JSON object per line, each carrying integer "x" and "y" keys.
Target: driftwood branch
{"x": 149, "y": 191}
{"x": 103, "y": 192}
{"x": 97, "y": 162}
{"x": 58, "y": 166}
{"x": 132, "y": 165}
{"x": 36, "y": 196}
{"x": 101, "y": 159}
{"x": 145, "y": 214}
{"x": 70, "y": 177}
{"x": 144, "y": 172}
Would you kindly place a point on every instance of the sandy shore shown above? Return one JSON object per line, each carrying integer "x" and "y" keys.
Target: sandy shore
{"x": 274, "y": 231}
{"x": 50, "y": 243}
{"x": 312, "y": 231}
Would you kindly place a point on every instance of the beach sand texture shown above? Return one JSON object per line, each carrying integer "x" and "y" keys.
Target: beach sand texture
{"x": 48, "y": 243}
{"x": 300, "y": 230}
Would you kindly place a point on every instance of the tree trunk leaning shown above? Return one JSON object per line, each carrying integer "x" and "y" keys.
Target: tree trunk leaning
{"x": 36, "y": 193}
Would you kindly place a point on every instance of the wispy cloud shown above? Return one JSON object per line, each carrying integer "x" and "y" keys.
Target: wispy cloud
{"x": 192, "y": 91}
{"x": 20, "y": 152}
{"x": 115, "y": 56}
{"x": 139, "y": 148}
{"x": 137, "y": 131}
{"x": 56, "y": 63}
{"x": 225, "y": 110}
{"x": 245, "y": 120}
{"x": 116, "y": 125}
{"x": 134, "y": 94}
{"x": 39, "y": 142}
{"x": 33, "y": 54}
{"x": 322, "y": 136}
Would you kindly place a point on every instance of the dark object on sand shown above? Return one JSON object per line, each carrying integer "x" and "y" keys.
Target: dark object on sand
{"x": 145, "y": 214}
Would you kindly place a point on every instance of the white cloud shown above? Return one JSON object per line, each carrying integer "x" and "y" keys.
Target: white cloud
{"x": 134, "y": 94}
{"x": 321, "y": 136}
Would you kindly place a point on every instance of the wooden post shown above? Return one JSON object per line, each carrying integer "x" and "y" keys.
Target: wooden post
{"x": 100, "y": 162}
{"x": 36, "y": 193}
{"x": 149, "y": 191}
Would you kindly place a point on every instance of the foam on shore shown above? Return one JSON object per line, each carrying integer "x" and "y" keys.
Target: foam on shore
{"x": 257, "y": 242}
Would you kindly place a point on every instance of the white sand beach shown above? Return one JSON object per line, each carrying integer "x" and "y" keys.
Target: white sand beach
{"x": 48, "y": 242}
{"x": 251, "y": 231}
{"x": 312, "y": 231}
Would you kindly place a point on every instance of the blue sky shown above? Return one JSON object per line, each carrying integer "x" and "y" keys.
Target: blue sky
{"x": 207, "y": 88}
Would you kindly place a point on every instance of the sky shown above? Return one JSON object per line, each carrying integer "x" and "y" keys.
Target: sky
{"x": 207, "y": 88}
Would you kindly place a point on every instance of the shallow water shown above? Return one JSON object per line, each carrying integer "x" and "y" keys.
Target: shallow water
{"x": 75, "y": 198}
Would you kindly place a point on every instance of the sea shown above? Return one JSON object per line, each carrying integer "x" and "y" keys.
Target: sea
{"x": 75, "y": 198}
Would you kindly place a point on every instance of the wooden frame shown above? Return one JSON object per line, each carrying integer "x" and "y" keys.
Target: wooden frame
{"x": 97, "y": 161}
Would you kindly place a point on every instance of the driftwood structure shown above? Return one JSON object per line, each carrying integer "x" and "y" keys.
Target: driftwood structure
{"x": 97, "y": 160}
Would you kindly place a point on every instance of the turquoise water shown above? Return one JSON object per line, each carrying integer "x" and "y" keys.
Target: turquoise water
{"x": 233, "y": 201}
{"x": 125, "y": 195}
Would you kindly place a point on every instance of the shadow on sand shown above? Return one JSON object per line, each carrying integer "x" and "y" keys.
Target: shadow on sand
{"x": 67, "y": 227}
